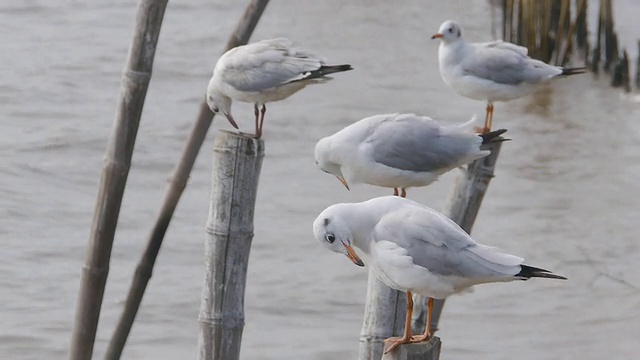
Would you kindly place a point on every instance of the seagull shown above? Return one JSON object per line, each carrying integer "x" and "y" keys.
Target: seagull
{"x": 415, "y": 249}
{"x": 491, "y": 71}
{"x": 399, "y": 150}
{"x": 262, "y": 72}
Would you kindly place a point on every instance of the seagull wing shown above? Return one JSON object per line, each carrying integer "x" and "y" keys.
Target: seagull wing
{"x": 436, "y": 243}
{"x": 505, "y": 63}
{"x": 266, "y": 64}
{"x": 414, "y": 143}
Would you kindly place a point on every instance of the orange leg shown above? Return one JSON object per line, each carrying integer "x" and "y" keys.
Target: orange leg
{"x": 395, "y": 191}
{"x": 406, "y": 338}
{"x": 427, "y": 329}
{"x": 488, "y": 126}
{"x": 403, "y": 193}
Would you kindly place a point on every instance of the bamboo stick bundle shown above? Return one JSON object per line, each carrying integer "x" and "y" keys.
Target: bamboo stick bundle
{"x": 135, "y": 81}
{"x": 176, "y": 186}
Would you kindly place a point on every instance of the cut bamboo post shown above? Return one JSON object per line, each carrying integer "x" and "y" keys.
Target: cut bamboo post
{"x": 462, "y": 207}
{"x": 384, "y": 316}
{"x": 177, "y": 184}
{"x": 135, "y": 81}
{"x": 420, "y": 351}
{"x": 237, "y": 161}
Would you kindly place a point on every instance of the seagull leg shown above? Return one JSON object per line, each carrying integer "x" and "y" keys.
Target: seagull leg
{"x": 395, "y": 191}
{"x": 403, "y": 193}
{"x": 262, "y": 112}
{"x": 427, "y": 329}
{"x": 406, "y": 338}
{"x": 488, "y": 128}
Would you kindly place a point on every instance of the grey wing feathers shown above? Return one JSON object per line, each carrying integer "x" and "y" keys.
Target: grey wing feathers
{"x": 438, "y": 244}
{"x": 267, "y": 64}
{"x": 506, "y": 63}
{"x": 420, "y": 144}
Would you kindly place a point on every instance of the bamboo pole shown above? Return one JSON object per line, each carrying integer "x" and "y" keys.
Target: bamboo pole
{"x": 462, "y": 207}
{"x": 173, "y": 192}
{"x": 236, "y": 169}
{"x": 135, "y": 81}
{"x": 384, "y": 316}
{"x": 638, "y": 68}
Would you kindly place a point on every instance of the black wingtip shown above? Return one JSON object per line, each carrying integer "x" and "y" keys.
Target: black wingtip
{"x": 573, "y": 71}
{"x": 326, "y": 70}
{"x": 528, "y": 272}
{"x": 492, "y": 136}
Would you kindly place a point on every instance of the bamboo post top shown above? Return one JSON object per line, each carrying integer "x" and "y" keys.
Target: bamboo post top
{"x": 429, "y": 350}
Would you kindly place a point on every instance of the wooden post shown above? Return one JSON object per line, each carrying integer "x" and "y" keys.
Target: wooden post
{"x": 420, "y": 351}
{"x": 176, "y": 185}
{"x": 135, "y": 81}
{"x": 237, "y": 162}
{"x": 462, "y": 207}
{"x": 384, "y": 313}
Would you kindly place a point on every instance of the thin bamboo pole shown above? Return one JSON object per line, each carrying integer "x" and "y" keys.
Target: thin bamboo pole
{"x": 236, "y": 169}
{"x": 173, "y": 192}
{"x": 638, "y": 68}
{"x": 135, "y": 81}
{"x": 384, "y": 316}
{"x": 462, "y": 207}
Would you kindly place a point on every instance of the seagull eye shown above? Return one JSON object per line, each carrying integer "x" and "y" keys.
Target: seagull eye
{"x": 451, "y": 30}
{"x": 215, "y": 110}
{"x": 330, "y": 238}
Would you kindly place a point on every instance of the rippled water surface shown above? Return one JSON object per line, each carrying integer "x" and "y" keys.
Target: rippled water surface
{"x": 566, "y": 193}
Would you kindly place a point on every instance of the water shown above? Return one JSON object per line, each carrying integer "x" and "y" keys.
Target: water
{"x": 565, "y": 194}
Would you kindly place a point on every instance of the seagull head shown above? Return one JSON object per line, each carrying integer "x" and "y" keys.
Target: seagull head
{"x": 334, "y": 233}
{"x": 325, "y": 160}
{"x": 219, "y": 103}
{"x": 450, "y": 31}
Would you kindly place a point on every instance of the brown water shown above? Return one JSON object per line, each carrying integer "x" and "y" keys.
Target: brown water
{"x": 566, "y": 193}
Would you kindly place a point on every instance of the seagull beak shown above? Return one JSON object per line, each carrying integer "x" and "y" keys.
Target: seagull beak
{"x": 344, "y": 182}
{"x": 351, "y": 254}
{"x": 231, "y": 120}
{"x": 436, "y": 36}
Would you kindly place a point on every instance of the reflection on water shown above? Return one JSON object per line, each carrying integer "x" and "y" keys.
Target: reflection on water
{"x": 565, "y": 194}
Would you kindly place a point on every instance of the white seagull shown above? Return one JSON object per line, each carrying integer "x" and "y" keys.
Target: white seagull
{"x": 491, "y": 71}
{"x": 415, "y": 249}
{"x": 399, "y": 150}
{"x": 262, "y": 72}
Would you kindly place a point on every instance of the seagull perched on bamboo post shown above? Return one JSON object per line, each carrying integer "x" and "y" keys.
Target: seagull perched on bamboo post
{"x": 399, "y": 150}
{"x": 491, "y": 71}
{"x": 262, "y": 72}
{"x": 415, "y": 249}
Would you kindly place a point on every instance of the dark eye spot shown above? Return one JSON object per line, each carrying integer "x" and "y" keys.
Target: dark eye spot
{"x": 330, "y": 238}
{"x": 451, "y": 30}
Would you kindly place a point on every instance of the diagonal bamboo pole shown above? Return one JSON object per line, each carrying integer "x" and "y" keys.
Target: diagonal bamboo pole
{"x": 135, "y": 81}
{"x": 176, "y": 186}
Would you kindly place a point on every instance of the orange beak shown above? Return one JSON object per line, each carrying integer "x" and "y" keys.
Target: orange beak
{"x": 344, "y": 182}
{"x": 436, "y": 36}
{"x": 351, "y": 254}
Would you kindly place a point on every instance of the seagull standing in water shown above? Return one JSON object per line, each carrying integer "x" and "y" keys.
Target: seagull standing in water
{"x": 262, "y": 72}
{"x": 491, "y": 71}
{"x": 399, "y": 150}
{"x": 415, "y": 249}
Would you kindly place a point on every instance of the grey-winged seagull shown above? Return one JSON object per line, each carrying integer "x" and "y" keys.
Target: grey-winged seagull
{"x": 415, "y": 249}
{"x": 399, "y": 150}
{"x": 262, "y": 72}
{"x": 491, "y": 71}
